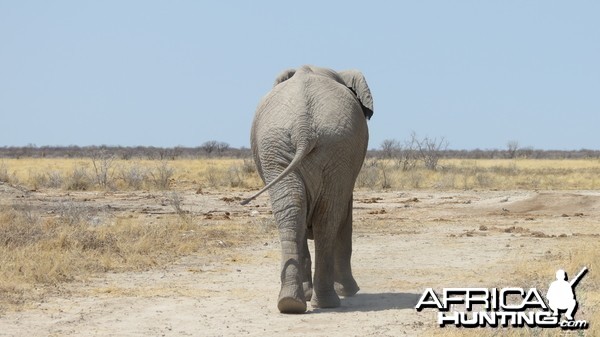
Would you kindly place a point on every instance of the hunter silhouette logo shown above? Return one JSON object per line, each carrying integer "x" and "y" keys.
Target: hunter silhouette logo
{"x": 513, "y": 306}
{"x": 561, "y": 294}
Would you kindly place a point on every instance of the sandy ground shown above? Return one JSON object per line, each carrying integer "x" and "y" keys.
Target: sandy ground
{"x": 404, "y": 242}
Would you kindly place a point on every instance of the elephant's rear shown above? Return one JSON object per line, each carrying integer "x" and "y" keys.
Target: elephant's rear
{"x": 279, "y": 129}
{"x": 310, "y": 111}
{"x": 309, "y": 139}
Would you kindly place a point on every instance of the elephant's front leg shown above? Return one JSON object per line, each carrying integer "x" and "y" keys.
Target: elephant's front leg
{"x": 345, "y": 285}
{"x": 325, "y": 227}
{"x": 289, "y": 209}
{"x": 324, "y": 295}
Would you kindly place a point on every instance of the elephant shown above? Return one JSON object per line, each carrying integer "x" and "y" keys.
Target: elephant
{"x": 309, "y": 139}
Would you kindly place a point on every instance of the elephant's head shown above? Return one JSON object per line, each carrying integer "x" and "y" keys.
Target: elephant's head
{"x": 353, "y": 79}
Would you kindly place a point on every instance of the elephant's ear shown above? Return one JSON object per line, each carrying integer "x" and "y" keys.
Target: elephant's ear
{"x": 355, "y": 80}
{"x": 284, "y": 76}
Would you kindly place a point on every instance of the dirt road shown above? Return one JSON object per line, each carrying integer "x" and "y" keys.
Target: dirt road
{"x": 403, "y": 243}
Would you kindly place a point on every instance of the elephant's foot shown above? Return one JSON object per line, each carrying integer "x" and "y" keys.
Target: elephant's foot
{"x": 346, "y": 289}
{"x": 308, "y": 290}
{"x": 328, "y": 300}
{"x": 291, "y": 301}
{"x": 290, "y": 305}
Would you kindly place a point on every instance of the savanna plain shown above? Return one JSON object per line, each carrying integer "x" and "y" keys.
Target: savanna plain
{"x": 112, "y": 247}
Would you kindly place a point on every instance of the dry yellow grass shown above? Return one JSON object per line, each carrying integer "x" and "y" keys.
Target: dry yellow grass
{"x": 38, "y": 253}
{"x": 85, "y": 174}
{"x": 220, "y": 173}
{"x": 501, "y": 174}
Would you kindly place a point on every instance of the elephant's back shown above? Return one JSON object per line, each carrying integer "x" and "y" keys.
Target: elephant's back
{"x": 280, "y": 107}
{"x": 279, "y": 114}
{"x": 337, "y": 114}
{"x": 340, "y": 127}
{"x": 314, "y": 108}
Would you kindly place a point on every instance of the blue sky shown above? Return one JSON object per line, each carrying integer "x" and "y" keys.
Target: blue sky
{"x": 167, "y": 73}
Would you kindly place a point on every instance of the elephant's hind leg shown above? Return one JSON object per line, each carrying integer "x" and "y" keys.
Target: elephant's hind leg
{"x": 291, "y": 296}
{"x": 289, "y": 208}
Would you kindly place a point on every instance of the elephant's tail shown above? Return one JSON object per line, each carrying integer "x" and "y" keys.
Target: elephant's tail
{"x": 301, "y": 152}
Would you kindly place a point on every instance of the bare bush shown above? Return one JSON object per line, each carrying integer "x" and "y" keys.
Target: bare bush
{"x": 37, "y": 179}
{"x": 235, "y": 177}
{"x": 52, "y": 179}
{"x": 430, "y": 150}
{"x": 369, "y": 174}
{"x": 407, "y": 156}
{"x": 239, "y": 175}
{"x": 248, "y": 166}
{"x": 511, "y": 148}
{"x": 484, "y": 179}
{"x": 55, "y": 179}
{"x": 161, "y": 175}
{"x": 102, "y": 161}
{"x": 414, "y": 179}
{"x": 133, "y": 176}
{"x": 78, "y": 180}
{"x": 390, "y": 148}
{"x": 375, "y": 173}
{"x": 212, "y": 177}
{"x": 19, "y": 226}
{"x": 176, "y": 201}
{"x": 385, "y": 181}
{"x": 4, "y": 176}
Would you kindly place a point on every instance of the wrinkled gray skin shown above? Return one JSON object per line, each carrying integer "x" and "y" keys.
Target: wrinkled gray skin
{"x": 309, "y": 140}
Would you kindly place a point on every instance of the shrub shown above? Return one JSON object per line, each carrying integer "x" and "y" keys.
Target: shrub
{"x": 78, "y": 180}
{"x": 102, "y": 162}
{"x": 4, "y": 176}
{"x": 369, "y": 174}
{"x": 133, "y": 176}
{"x": 161, "y": 175}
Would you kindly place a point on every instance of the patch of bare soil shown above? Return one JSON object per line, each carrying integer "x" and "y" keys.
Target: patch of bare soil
{"x": 403, "y": 243}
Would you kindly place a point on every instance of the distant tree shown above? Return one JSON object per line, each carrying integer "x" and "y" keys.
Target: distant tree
{"x": 222, "y": 147}
{"x": 102, "y": 161}
{"x": 213, "y": 146}
{"x": 512, "y": 147}
{"x": 390, "y": 148}
{"x": 409, "y": 156}
{"x": 209, "y": 146}
{"x": 430, "y": 150}
{"x": 526, "y": 152}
